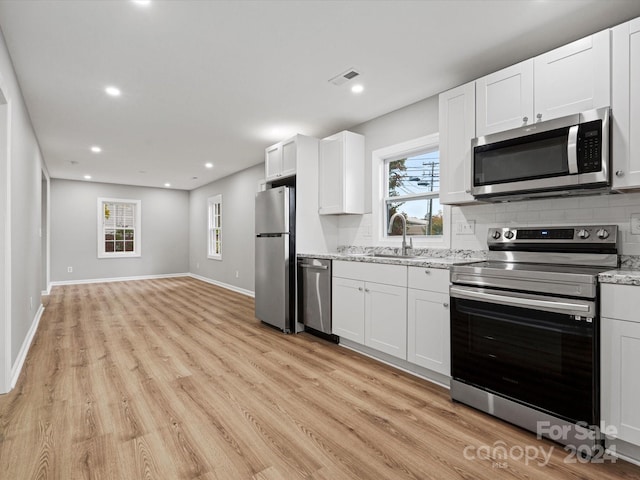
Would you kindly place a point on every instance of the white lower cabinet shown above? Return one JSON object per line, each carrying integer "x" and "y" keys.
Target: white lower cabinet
{"x": 385, "y": 320}
{"x": 348, "y": 309}
{"x": 370, "y": 305}
{"x": 620, "y": 358}
{"x": 401, "y": 311}
{"x": 428, "y": 330}
{"x": 428, "y": 319}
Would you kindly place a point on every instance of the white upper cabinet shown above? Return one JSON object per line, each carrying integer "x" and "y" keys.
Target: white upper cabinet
{"x": 626, "y": 105}
{"x": 341, "y": 174}
{"x": 280, "y": 159}
{"x": 457, "y": 119}
{"x": 273, "y": 162}
{"x": 573, "y": 78}
{"x": 505, "y": 99}
{"x": 564, "y": 81}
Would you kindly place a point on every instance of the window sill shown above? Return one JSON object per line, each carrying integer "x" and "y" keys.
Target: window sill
{"x": 119, "y": 255}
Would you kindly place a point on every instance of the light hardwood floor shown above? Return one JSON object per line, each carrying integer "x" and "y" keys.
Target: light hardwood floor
{"x": 175, "y": 378}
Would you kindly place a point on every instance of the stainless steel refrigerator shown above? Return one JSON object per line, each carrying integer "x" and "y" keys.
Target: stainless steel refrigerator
{"x": 275, "y": 257}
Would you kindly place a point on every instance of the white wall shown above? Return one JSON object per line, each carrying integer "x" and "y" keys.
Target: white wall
{"x": 20, "y": 219}
{"x": 422, "y": 119}
{"x": 238, "y": 207}
{"x": 74, "y": 223}
{"x": 408, "y": 123}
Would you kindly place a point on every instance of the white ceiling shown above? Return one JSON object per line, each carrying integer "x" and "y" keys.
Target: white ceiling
{"x": 218, "y": 81}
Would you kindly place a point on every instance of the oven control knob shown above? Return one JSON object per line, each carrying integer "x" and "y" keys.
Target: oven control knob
{"x": 508, "y": 234}
{"x": 495, "y": 235}
{"x": 602, "y": 234}
{"x": 583, "y": 234}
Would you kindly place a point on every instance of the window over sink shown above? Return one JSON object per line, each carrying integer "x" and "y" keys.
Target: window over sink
{"x": 407, "y": 181}
{"x": 413, "y": 189}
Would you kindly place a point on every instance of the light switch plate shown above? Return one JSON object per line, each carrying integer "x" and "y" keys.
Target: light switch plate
{"x": 635, "y": 224}
{"x": 466, "y": 228}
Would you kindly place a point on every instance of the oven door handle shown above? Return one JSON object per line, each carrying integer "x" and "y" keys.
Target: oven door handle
{"x": 531, "y": 303}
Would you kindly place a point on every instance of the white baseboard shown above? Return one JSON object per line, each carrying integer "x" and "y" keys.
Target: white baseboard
{"x": 47, "y": 291}
{"x": 24, "y": 349}
{"x": 233, "y": 288}
{"x": 118, "y": 279}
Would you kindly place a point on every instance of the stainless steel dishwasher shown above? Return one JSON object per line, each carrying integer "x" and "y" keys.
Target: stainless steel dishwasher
{"x": 314, "y": 301}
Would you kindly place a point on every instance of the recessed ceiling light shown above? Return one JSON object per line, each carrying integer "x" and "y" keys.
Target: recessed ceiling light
{"x": 113, "y": 91}
{"x": 96, "y": 149}
{"x": 143, "y": 3}
{"x": 87, "y": 177}
{"x": 167, "y": 184}
{"x": 357, "y": 88}
{"x": 208, "y": 165}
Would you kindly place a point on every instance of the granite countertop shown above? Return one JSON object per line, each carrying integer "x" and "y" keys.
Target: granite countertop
{"x": 621, "y": 276}
{"x": 420, "y": 261}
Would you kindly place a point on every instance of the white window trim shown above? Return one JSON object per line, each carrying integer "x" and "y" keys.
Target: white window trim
{"x": 138, "y": 229}
{"x": 212, "y": 201}
{"x": 378, "y": 157}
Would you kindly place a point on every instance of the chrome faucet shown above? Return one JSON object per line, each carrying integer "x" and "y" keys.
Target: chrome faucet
{"x": 405, "y": 247}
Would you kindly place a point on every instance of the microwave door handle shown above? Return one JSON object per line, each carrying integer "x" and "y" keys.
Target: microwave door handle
{"x": 572, "y": 149}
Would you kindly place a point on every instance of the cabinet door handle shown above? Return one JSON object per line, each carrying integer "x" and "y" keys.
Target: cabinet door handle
{"x": 445, "y": 305}
{"x": 525, "y": 119}
{"x": 427, "y": 272}
{"x": 619, "y": 173}
{"x": 367, "y": 290}
{"x": 539, "y": 116}
{"x": 359, "y": 289}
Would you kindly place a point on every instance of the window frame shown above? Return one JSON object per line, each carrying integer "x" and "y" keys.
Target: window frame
{"x": 380, "y": 195}
{"x": 214, "y": 223}
{"x": 137, "y": 228}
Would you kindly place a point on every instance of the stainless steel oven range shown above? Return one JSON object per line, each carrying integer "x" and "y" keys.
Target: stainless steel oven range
{"x": 525, "y": 329}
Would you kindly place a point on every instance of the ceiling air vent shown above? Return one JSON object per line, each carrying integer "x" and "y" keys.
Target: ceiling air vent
{"x": 344, "y": 77}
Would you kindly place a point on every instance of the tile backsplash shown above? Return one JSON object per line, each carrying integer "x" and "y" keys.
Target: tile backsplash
{"x": 588, "y": 210}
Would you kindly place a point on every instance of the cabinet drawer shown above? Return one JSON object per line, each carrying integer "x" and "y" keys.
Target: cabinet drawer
{"x": 432, "y": 279}
{"x": 618, "y": 301}
{"x": 371, "y": 272}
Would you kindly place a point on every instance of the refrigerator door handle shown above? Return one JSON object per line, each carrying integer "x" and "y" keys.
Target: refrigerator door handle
{"x": 268, "y": 235}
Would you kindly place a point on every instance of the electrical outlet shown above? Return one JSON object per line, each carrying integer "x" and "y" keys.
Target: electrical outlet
{"x": 237, "y": 274}
{"x": 69, "y": 269}
{"x": 466, "y": 228}
{"x": 635, "y": 223}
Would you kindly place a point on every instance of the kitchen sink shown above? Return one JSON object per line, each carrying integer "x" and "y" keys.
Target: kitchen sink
{"x": 392, "y": 255}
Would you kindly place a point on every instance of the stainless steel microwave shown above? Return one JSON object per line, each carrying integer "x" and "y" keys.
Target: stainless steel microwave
{"x": 564, "y": 156}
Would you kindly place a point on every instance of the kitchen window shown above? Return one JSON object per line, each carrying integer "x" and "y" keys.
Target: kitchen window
{"x": 215, "y": 227}
{"x": 407, "y": 181}
{"x": 119, "y": 229}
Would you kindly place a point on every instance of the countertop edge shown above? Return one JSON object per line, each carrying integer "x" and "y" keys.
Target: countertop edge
{"x": 620, "y": 277}
{"x": 444, "y": 263}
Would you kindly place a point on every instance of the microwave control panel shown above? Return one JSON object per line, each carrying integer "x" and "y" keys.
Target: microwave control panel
{"x": 590, "y": 147}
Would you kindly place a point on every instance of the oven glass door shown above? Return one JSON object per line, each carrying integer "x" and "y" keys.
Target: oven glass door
{"x": 543, "y": 359}
{"x": 541, "y": 155}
